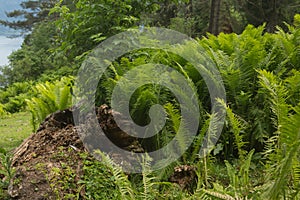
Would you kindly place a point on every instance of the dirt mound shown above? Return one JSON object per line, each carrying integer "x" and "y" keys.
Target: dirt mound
{"x": 38, "y": 155}
{"x": 52, "y": 146}
{"x": 42, "y": 159}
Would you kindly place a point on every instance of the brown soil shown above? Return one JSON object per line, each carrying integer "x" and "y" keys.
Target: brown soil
{"x": 56, "y": 144}
{"x": 39, "y": 154}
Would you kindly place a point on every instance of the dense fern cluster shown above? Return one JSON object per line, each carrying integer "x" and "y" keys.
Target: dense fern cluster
{"x": 261, "y": 77}
{"x": 52, "y": 96}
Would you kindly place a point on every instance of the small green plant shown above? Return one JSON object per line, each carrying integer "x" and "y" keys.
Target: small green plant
{"x": 105, "y": 180}
{"x": 6, "y": 167}
{"x": 63, "y": 182}
{"x": 2, "y": 111}
{"x": 239, "y": 179}
{"x": 98, "y": 180}
{"x": 64, "y": 178}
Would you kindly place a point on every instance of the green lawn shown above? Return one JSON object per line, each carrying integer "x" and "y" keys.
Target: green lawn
{"x": 14, "y": 129}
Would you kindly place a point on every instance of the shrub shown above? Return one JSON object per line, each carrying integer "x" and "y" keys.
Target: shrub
{"x": 13, "y": 97}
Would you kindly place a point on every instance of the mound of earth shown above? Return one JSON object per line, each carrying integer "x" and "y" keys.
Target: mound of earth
{"x": 57, "y": 144}
{"x": 35, "y": 158}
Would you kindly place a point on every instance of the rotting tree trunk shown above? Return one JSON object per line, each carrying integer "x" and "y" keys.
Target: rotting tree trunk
{"x": 214, "y": 17}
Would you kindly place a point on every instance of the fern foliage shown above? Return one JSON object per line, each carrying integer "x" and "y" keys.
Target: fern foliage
{"x": 287, "y": 156}
{"x": 261, "y": 75}
{"x": 237, "y": 127}
{"x": 51, "y": 97}
{"x": 284, "y": 153}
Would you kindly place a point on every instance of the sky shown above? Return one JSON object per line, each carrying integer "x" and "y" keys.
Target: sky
{"x": 7, "y": 45}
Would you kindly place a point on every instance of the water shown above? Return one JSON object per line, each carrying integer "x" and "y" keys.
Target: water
{"x": 7, "y": 46}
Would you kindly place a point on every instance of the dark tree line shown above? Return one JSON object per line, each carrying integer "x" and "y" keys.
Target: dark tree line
{"x": 272, "y": 12}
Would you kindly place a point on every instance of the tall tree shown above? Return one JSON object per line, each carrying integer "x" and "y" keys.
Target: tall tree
{"x": 32, "y": 12}
{"x": 214, "y": 17}
{"x": 33, "y": 58}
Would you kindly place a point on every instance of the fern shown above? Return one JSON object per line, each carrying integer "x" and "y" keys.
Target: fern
{"x": 2, "y": 110}
{"x": 292, "y": 83}
{"x": 120, "y": 179}
{"x": 63, "y": 95}
{"x": 39, "y": 111}
{"x": 240, "y": 180}
{"x": 199, "y": 139}
{"x": 174, "y": 115}
{"x": 50, "y": 98}
{"x": 277, "y": 95}
{"x": 219, "y": 195}
{"x": 237, "y": 127}
{"x": 179, "y": 128}
{"x": 148, "y": 185}
{"x": 296, "y": 176}
{"x": 283, "y": 153}
{"x": 290, "y": 147}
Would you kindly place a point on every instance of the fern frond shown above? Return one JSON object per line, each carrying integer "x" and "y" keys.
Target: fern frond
{"x": 199, "y": 139}
{"x": 50, "y": 98}
{"x": 212, "y": 134}
{"x": 120, "y": 179}
{"x": 277, "y": 95}
{"x": 148, "y": 179}
{"x": 237, "y": 127}
{"x": 46, "y": 93}
{"x": 234, "y": 179}
{"x": 174, "y": 115}
{"x": 239, "y": 180}
{"x": 296, "y": 173}
{"x": 219, "y": 195}
{"x": 63, "y": 96}
{"x": 244, "y": 170}
{"x": 179, "y": 128}
{"x": 288, "y": 151}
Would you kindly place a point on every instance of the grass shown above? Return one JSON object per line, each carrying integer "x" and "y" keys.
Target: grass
{"x": 14, "y": 129}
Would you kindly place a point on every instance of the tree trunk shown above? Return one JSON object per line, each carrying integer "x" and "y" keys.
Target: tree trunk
{"x": 214, "y": 17}
{"x": 272, "y": 17}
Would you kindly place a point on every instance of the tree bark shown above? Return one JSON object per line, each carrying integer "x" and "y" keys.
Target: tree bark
{"x": 272, "y": 17}
{"x": 214, "y": 17}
